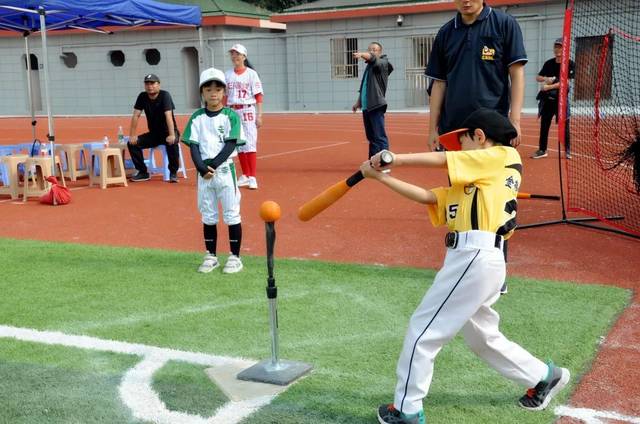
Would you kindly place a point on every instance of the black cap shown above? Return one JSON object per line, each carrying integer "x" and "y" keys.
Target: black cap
{"x": 558, "y": 42}
{"x": 151, "y": 78}
{"x": 495, "y": 126}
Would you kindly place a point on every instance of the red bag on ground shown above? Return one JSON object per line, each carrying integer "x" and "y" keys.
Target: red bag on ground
{"x": 58, "y": 195}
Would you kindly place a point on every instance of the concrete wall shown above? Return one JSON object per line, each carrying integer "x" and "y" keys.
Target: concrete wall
{"x": 308, "y": 53}
{"x": 96, "y": 87}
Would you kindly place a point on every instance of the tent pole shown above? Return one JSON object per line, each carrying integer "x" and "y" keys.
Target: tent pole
{"x": 201, "y": 58}
{"x": 45, "y": 64}
{"x": 29, "y": 88}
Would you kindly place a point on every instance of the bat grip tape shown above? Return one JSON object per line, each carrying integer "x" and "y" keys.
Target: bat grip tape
{"x": 355, "y": 179}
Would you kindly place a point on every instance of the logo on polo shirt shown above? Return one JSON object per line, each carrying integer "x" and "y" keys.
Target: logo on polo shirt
{"x": 487, "y": 53}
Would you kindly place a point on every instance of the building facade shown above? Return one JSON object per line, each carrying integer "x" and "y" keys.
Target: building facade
{"x": 307, "y": 67}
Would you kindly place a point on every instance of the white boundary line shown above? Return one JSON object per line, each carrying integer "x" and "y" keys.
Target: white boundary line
{"x": 136, "y": 386}
{"x": 591, "y": 416}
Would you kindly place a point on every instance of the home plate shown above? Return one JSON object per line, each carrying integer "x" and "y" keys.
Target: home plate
{"x": 238, "y": 390}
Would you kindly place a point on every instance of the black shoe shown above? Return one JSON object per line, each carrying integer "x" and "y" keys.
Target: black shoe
{"x": 504, "y": 289}
{"x": 140, "y": 176}
{"x": 388, "y": 414}
{"x": 173, "y": 177}
{"x": 537, "y": 398}
{"x": 539, "y": 154}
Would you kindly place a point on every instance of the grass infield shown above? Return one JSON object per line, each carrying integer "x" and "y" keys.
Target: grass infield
{"x": 346, "y": 320}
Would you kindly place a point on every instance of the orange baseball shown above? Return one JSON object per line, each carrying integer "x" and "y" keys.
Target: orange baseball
{"x": 269, "y": 211}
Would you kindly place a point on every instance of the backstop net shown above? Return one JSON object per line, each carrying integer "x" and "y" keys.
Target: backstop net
{"x": 603, "y": 174}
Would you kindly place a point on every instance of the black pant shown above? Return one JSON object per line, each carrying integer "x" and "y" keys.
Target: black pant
{"x": 148, "y": 140}
{"x": 548, "y": 110}
{"x": 374, "y": 129}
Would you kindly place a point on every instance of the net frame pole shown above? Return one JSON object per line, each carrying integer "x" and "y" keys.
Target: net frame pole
{"x": 562, "y": 123}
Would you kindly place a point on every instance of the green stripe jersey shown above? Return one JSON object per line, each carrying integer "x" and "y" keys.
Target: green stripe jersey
{"x": 211, "y": 132}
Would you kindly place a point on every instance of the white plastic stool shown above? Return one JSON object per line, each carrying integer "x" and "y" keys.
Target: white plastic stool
{"x": 154, "y": 168}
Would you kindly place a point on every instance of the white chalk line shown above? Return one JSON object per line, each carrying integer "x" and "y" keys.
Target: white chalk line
{"x": 591, "y": 416}
{"x": 302, "y": 150}
{"x": 136, "y": 389}
{"x": 207, "y": 307}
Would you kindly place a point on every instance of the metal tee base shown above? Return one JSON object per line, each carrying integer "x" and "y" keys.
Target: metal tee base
{"x": 281, "y": 373}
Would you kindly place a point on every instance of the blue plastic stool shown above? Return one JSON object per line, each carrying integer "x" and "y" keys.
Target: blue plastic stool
{"x": 154, "y": 168}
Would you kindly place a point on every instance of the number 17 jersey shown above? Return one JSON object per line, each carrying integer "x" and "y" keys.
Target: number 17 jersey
{"x": 242, "y": 89}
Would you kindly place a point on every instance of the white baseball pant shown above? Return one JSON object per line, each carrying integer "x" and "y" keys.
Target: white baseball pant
{"x": 249, "y": 129}
{"x": 221, "y": 188}
{"x": 460, "y": 299}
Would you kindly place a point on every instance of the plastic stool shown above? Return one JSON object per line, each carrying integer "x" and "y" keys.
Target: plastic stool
{"x": 10, "y": 176}
{"x": 73, "y": 168}
{"x": 110, "y": 160}
{"x": 154, "y": 168}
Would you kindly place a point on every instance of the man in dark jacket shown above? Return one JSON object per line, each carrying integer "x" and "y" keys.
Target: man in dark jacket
{"x": 373, "y": 88}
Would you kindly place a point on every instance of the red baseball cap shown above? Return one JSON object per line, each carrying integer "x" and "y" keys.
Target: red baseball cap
{"x": 451, "y": 140}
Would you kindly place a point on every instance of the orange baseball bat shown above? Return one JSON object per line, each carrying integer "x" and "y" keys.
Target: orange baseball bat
{"x": 328, "y": 197}
{"x": 522, "y": 195}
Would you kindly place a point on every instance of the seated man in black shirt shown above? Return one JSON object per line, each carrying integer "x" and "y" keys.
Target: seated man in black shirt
{"x": 158, "y": 108}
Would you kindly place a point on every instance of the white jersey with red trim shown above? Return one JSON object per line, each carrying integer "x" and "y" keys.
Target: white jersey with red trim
{"x": 242, "y": 89}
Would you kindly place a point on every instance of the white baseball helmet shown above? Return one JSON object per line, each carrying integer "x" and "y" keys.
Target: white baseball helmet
{"x": 212, "y": 74}
{"x": 239, "y": 48}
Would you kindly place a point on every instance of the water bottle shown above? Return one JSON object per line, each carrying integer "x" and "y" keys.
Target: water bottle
{"x": 105, "y": 140}
{"x": 120, "y": 135}
{"x": 43, "y": 150}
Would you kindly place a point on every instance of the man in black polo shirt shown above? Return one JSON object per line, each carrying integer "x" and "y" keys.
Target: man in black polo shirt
{"x": 477, "y": 61}
{"x": 158, "y": 108}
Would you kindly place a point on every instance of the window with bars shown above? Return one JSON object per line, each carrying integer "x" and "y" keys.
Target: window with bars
{"x": 419, "y": 52}
{"x": 343, "y": 64}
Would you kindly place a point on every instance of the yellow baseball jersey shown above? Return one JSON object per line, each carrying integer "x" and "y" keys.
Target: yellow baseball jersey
{"x": 483, "y": 192}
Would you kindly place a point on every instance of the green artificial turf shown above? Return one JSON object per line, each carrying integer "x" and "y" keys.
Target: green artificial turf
{"x": 346, "y": 320}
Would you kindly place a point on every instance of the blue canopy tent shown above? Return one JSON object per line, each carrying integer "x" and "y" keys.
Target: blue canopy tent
{"x": 31, "y": 16}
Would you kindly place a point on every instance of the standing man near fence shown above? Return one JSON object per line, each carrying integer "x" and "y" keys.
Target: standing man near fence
{"x": 371, "y": 100}
{"x": 548, "y": 96}
{"x": 158, "y": 108}
{"x": 477, "y": 61}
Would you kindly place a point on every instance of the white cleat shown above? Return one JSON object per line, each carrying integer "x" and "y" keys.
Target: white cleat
{"x": 233, "y": 265}
{"x": 243, "y": 181}
{"x": 253, "y": 183}
{"x": 209, "y": 263}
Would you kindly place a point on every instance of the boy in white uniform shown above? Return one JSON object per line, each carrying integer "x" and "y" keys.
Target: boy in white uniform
{"x": 212, "y": 134}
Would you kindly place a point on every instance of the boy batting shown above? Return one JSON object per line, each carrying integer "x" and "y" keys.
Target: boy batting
{"x": 212, "y": 135}
{"x": 479, "y": 209}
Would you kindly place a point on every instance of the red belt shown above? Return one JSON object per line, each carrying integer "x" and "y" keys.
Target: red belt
{"x": 240, "y": 106}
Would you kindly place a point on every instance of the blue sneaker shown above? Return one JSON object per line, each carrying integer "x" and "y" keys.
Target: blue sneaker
{"x": 388, "y": 414}
{"x": 537, "y": 398}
